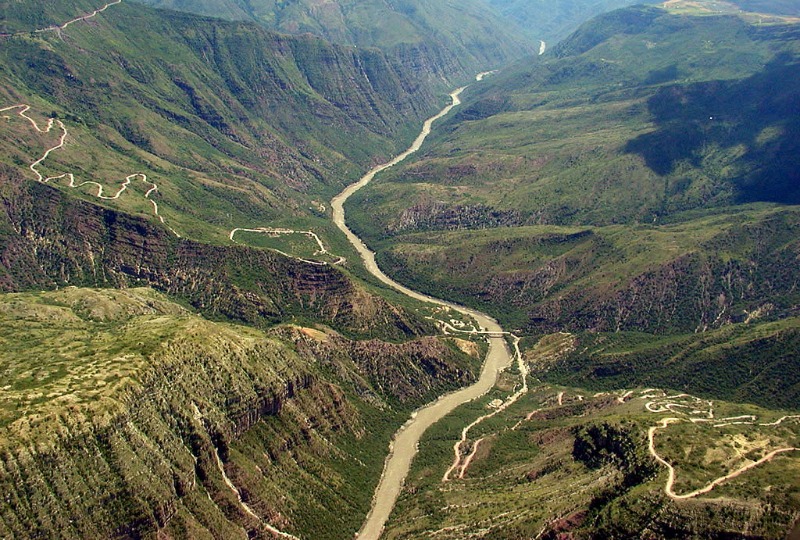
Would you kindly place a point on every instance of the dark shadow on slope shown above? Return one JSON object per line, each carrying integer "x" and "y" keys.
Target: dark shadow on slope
{"x": 762, "y": 113}
{"x": 779, "y": 7}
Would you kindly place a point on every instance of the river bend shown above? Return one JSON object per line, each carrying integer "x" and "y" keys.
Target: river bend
{"x": 404, "y": 445}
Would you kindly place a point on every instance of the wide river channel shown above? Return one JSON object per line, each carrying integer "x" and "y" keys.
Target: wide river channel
{"x": 404, "y": 445}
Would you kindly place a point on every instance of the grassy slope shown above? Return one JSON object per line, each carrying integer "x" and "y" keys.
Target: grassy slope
{"x": 526, "y": 478}
{"x": 752, "y": 362}
{"x": 780, "y": 7}
{"x": 641, "y": 117}
{"x": 673, "y": 278}
{"x": 467, "y": 37}
{"x": 115, "y": 375}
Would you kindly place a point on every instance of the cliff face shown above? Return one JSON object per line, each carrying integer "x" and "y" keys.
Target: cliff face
{"x": 51, "y": 240}
{"x": 749, "y": 268}
{"x": 125, "y": 416}
{"x": 166, "y": 420}
{"x": 676, "y": 279}
{"x": 433, "y": 361}
{"x": 445, "y": 40}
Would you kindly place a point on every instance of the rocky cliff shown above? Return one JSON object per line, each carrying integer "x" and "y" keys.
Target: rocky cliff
{"x": 677, "y": 279}
{"x": 161, "y": 421}
{"x": 51, "y": 240}
{"x": 438, "y": 39}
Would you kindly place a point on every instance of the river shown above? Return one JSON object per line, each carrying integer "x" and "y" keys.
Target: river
{"x": 404, "y": 445}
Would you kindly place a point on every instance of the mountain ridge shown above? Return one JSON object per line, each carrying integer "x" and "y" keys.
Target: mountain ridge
{"x": 616, "y": 135}
{"x": 406, "y": 30}
{"x": 256, "y": 137}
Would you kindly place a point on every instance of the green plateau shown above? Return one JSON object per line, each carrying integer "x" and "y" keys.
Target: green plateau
{"x": 126, "y": 415}
{"x": 570, "y": 462}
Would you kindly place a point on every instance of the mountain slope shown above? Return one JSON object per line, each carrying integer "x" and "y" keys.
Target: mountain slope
{"x": 48, "y": 239}
{"x": 435, "y": 38}
{"x": 779, "y": 7}
{"x": 128, "y": 138}
{"x": 124, "y": 415}
{"x": 638, "y": 139}
{"x": 236, "y": 126}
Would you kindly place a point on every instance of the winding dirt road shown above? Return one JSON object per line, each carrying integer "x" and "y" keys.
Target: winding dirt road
{"x": 56, "y": 28}
{"x": 460, "y": 466}
{"x": 689, "y": 410}
{"x": 274, "y": 231}
{"x": 404, "y": 445}
{"x": 668, "y": 487}
{"x": 22, "y": 110}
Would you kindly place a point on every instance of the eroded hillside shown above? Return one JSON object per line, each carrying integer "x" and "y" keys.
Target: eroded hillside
{"x": 435, "y": 39}
{"x": 236, "y": 126}
{"x": 126, "y": 415}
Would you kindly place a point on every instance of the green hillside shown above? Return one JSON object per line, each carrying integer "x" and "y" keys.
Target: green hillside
{"x": 604, "y": 186}
{"x": 566, "y": 462}
{"x": 30, "y": 15}
{"x": 124, "y": 414}
{"x": 780, "y": 7}
{"x": 190, "y": 348}
{"x": 238, "y": 127}
{"x": 435, "y": 38}
{"x": 753, "y": 362}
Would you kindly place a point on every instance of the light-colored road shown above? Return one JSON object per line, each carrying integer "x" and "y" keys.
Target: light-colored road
{"x": 404, "y": 446}
{"x": 34, "y": 167}
{"x": 457, "y": 463}
{"x": 59, "y": 27}
{"x": 81, "y": 18}
{"x": 242, "y": 504}
{"x": 272, "y": 230}
{"x": 310, "y": 234}
{"x": 688, "y": 408}
{"x": 668, "y": 487}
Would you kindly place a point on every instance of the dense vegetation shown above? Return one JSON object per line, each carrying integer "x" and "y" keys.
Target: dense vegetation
{"x": 627, "y": 182}
{"x": 237, "y": 126}
{"x": 117, "y": 406}
{"x": 752, "y": 363}
{"x": 434, "y": 37}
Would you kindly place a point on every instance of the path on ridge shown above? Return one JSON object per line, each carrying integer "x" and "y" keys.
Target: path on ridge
{"x": 59, "y": 27}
